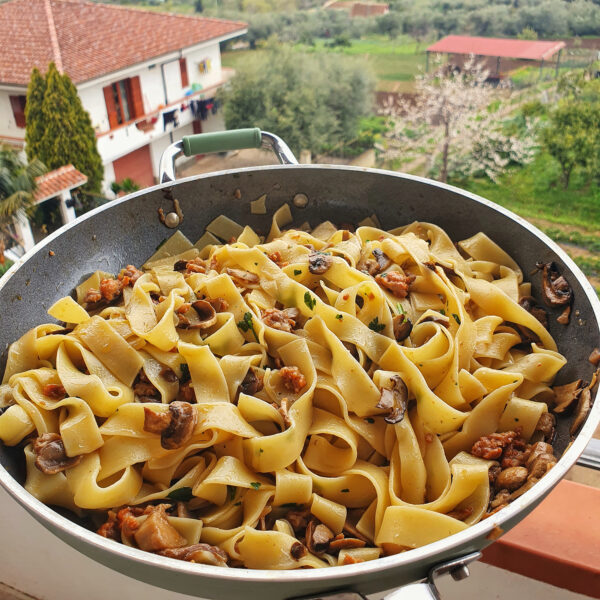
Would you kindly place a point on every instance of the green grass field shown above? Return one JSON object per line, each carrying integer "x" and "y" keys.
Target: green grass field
{"x": 390, "y": 60}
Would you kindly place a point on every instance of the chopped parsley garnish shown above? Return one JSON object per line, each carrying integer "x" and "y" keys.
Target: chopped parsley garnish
{"x": 345, "y": 490}
{"x": 400, "y": 308}
{"x": 255, "y": 484}
{"x": 260, "y": 450}
{"x": 456, "y": 318}
{"x": 247, "y": 324}
{"x": 297, "y": 271}
{"x": 443, "y": 312}
{"x": 231, "y": 489}
{"x": 375, "y": 325}
{"x": 183, "y": 494}
{"x": 339, "y": 317}
{"x": 185, "y": 373}
{"x": 309, "y": 300}
{"x": 370, "y": 420}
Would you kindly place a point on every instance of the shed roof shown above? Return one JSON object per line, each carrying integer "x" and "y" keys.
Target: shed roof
{"x": 51, "y": 184}
{"x": 87, "y": 40}
{"x": 482, "y": 46}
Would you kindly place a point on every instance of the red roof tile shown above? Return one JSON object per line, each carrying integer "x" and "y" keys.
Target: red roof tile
{"x": 91, "y": 40}
{"x": 53, "y": 183}
{"x": 482, "y": 46}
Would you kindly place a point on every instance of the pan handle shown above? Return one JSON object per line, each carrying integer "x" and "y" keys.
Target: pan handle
{"x": 426, "y": 590}
{"x": 222, "y": 141}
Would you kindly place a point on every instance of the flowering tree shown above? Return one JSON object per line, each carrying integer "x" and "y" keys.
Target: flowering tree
{"x": 443, "y": 112}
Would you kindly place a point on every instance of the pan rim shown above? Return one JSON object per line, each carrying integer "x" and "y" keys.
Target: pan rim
{"x": 452, "y": 545}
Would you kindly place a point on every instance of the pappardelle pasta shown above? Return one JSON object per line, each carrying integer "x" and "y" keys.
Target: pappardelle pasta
{"x": 311, "y": 400}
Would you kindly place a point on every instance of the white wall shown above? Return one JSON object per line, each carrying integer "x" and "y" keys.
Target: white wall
{"x": 8, "y": 127}
{"x": 194, "y": 57}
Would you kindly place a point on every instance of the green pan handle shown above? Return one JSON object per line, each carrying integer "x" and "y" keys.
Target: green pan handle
{"x": 221, "y": 141}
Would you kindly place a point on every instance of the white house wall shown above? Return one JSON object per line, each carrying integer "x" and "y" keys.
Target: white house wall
{"x": 8, "y": 126}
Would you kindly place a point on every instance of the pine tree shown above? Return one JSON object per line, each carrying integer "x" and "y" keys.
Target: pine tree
{"x": 68, "y": 135}
{"x": 34, "y": 129}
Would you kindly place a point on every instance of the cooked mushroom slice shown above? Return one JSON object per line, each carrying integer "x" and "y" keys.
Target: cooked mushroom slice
{"x": 219, "y": 304}
{"x": 546, "y": 424}
{"x": 298, "y": 550}
{"x": 369, "y": 266}
{"x": 252, "y": 383}
{"x": 203, "y": 554}
{"x": 565, "y": 395}
{"x": 383, "y": 260}
{"x": 402, "y": 327}
{"x": 584, "y": 405}
{"x": 511, "y": 478}
{"x": 346, "y": 543}
{"x": 169, "y": 375}
{"x": 206, "y": 312}
{"x": 541, "y": 464}
{"x": 51, "y": 456}
{"x": 395, "y": 400}
{"x": 175, "y": 427}
{"x": 319, "y": 263}
{"x": 351, "y": 529}
{"x": 556, "y": 289}
{"x": 243, "y": 278}
{"x": 318, "y": 537}
{"x": 595, "y": 357}
{"x": 156, "y": 533}
{"x": 530, "y": 305}
{"x": 536, "y": 450}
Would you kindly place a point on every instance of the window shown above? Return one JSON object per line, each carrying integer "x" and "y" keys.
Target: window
{"x": 123, "y": 101}
{"x": 18, "y": 107}
{"x": 184, "y": 74}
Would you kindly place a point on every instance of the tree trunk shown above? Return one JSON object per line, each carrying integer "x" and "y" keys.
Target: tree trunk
{"x": 566, "y": 176}
{"x": 445, "y": 150}
{"x": 2, "y": 249}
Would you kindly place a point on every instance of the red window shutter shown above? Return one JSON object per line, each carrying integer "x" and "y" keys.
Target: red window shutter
{"x": 18, "y": 107}
{"x": 111, "y": 109}
{"x": 137, "y": 102}
{"x": 184, "y": 74}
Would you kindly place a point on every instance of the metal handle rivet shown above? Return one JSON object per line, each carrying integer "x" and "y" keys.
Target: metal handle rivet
{"x": 300, "y": 200}
{"x": 172, "y": 220}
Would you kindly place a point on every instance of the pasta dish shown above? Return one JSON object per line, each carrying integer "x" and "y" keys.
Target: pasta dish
{"x": 314, "y": 399}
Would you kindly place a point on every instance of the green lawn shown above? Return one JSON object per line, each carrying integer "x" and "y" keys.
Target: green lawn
{"x": 535, "y": 191}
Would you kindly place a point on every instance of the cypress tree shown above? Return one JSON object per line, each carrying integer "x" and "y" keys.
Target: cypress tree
{"x": 34, "y": 122}
{"x": 68, "y": 133}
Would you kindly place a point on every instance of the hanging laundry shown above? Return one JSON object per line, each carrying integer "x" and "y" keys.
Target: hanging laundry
{"x": 170, "y": 117}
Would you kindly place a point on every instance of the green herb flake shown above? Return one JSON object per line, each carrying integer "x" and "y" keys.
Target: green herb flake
{"x": 260, "y": 450}
{"x": 370, "y": 420}
{"x": 339, "y": 317}
{"x": 309, "y": 300}
{"x": 442, "y": 311}
{"x": 231, "y": 490}
{"x": 345, "y": 491}
{"x": 375, "y": 325}
{"x": 400, "y": 308}
{"x": 297, "y": 271}
{"x": 456, "y": 318}
{"x": 185, "y": 373}
{"x": 255, "y": 484}
{"x": 182, "y": 494}
{"x": 247, "y": 324}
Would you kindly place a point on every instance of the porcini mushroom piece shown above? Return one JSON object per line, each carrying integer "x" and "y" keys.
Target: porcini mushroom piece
{"x": 298, "y": 550}
{"x": 318, "y": 537}
{"x": 319, "y": 263}
{"x": 203, "y": 554}
{"x": 563, "y": 318}
{"x": 556, "y": 290}
{"x": 511, "y": 478}
{"x": 175, "y": 427}
{"x": 395, "y": 400}
{"x": 565, "y": 395}
{"x": 346, "y": 543}
{"x": 584, "y": 405}
{"x": 51, "y": 456}
{"x": 402, "y": 327}
{"x": 206, "y": 313}
{"x": 530, "y": 305}
{"x": 243, "y": 278}
{"x": 595, "y": 357}
{"x": 252, "y": 383}
{"x": 546, "y": 424}
{"x": 383, "y": 260}
{"x": 156, "y": 533}
{"x": 436, "y": 318}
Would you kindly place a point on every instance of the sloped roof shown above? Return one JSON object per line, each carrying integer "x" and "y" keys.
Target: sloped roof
{"x": 87, "y": 40}
{"x": 482, "y": 46}
{"x": 51, "y": 184}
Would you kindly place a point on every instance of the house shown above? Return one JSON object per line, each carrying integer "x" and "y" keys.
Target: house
{"x": 146, "y": 78}
{"x": 358, "y": 9}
